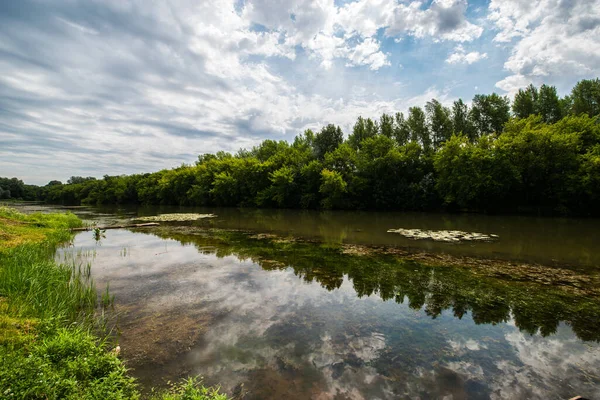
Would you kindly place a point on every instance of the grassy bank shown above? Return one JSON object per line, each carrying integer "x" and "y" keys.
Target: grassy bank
{"x": 49, "y": 345}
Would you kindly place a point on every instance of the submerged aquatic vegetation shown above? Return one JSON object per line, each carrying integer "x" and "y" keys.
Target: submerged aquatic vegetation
{"x": 48, "y": 327}
{"x": 538, "y": 298}
{"x": 179, "y": 217}
{"x": 444, "y": 236}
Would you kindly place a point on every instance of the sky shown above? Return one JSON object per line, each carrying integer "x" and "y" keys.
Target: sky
{"x": 95, "y": 87}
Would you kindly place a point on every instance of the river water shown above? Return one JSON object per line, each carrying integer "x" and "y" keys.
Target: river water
{"x": 271, "y": 305}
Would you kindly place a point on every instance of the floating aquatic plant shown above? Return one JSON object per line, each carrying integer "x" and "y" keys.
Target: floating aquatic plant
{"x": 176, "y": 217}
{"x": 444, "y": 236}
{"x": 99, "y": 234}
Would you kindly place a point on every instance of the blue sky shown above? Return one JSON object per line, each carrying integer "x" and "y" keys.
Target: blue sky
{"x": 90, "y": 87}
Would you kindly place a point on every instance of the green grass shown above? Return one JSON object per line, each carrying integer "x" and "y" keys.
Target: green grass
{"x": 44, "y": 230}
{"x": 189, "y": 389}
{"x": 64, "y": 363}
{"x": 49, "y": 344}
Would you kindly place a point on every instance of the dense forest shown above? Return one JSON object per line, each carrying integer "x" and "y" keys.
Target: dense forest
{"x": 13, "y": 188}
{"x": 539, "y": 155}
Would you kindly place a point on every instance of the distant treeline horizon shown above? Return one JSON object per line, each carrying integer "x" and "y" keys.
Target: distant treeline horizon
{"x": 540, "y": 154}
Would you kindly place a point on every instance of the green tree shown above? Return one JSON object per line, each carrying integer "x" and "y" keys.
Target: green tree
{"x": 327, "y": 140}
{"x": 489, "y": 113}
{"x": 13, "y": 188}
{"x": 548, "y": 104}
{"x": 309, "y": 182}
{"x": 588, "y": 190}
{"x": 363, "y": 129}
{"x": 440, "y": 123}
{"x": 267, "y": 149}
{"x": 376, "y": 147}
{"x": 225, "y": 189}
{"x": 283, "y": 188}
{"x": 342, "y": 160}
{"x": 386, "y": 125}
{"x": 401, "y": 129}
{"x": 305, "y": 140}
{"x": 547, "y": 161}
{"x": 79, "y": 179}
{"x": 417, "y": 123}
{"x": 473, "y": 175}
{"x": 525, "y": 102}
{"x": 333, "y": 187}
{"x": 461, "y": 122}
{"x": 566, "y": 106}
{"x": 585, "y": 97}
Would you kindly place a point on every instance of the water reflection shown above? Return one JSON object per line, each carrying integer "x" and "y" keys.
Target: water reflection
{"x": 256, "y": 319}
{"x": 544, "y": 240}
{"x": 489, "y": 300}
{"x": 549, "y": 241}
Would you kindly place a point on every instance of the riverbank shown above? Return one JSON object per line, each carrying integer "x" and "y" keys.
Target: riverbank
{"x": 51, "y": 341}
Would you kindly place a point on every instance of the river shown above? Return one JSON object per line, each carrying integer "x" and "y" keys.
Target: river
{"x": 273, "y": 304}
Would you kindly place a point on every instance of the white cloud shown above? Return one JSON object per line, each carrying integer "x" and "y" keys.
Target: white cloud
{"x": 550, "y": 360}
{"x": 367, "y": 53}
{"x": 511, "y": 84}
{"x": 460, "y": 56}
{"x": 554, "y": 38}
{"x": 443, "y": 20}
{"x": 365, "y": 17}
{"x": 329, "y": 32}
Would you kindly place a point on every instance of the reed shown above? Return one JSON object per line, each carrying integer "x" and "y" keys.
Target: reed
{"x": 35, "y": 286}
{"x": 53, "y": 338}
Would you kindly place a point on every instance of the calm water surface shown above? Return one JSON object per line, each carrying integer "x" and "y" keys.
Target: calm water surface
{"x": 531, "y": 239}
{"x": 316, "y": 326}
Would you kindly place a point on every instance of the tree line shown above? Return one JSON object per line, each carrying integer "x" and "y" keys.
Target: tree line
{"x": 13, "y": 188}
{"x": 540, "y": 154}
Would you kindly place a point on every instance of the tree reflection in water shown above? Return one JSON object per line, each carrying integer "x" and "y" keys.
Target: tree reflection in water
{"x": 534, "y": 307}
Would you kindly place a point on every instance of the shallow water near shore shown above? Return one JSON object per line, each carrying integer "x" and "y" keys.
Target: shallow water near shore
{"x": 274, "y": 306}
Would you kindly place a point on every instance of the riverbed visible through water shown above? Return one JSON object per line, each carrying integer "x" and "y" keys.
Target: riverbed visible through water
{"x": 273, "y": 304}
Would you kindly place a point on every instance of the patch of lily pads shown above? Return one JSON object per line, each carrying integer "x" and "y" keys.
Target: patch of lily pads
{"x": 445, "y": 236}
{"x": 176, "y": 217}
